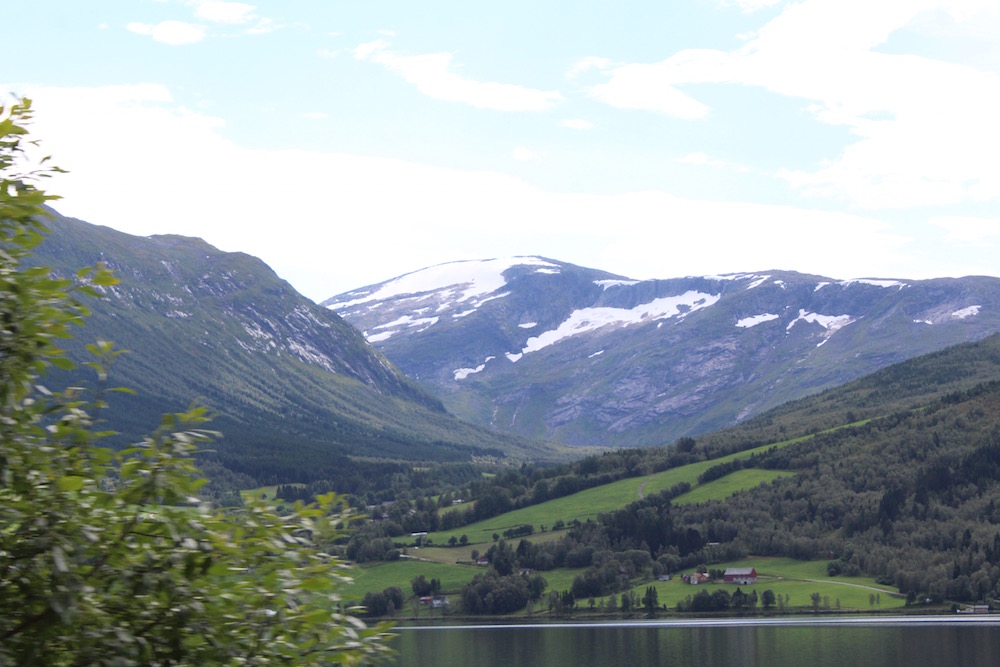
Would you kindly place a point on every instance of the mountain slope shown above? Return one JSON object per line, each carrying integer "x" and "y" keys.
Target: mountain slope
{"x": 295, "y": 388}
{"x": 547, "y": 349}
{"x": 895, "y": 475}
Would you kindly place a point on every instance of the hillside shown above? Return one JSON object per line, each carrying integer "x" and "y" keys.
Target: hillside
{"x": 546, "y": 349}
{"x": 908, "y": 493}
{"x": 298, "y": 393}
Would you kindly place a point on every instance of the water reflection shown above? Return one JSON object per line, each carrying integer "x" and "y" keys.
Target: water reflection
{"x": 921, "y": 644}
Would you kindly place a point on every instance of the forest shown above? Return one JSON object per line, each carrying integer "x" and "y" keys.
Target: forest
{"x": 894, "y": 477}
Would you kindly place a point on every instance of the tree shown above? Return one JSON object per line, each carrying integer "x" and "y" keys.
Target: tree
{"x": 651, "y": 600}
{"x": 109, "y": 557}
{"x": 767, "y": 598}
{"x": 421, "y": 587}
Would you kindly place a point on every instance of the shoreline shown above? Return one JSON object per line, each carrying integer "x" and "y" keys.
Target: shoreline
{"x": 815, "y": 621}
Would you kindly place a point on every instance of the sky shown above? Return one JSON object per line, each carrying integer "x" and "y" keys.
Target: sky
{"x": 346, "y": 142}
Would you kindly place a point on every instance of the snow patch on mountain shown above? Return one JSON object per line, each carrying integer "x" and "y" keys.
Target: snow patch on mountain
{"x": 605, "y": 284}
{"x": 528, "y": 325}
{"x": 476, "y": 305}
{"x": 875, "y": 283}
{"x": 753, "y": 321}
{"x": 755, "y": 278}
{"x": 829, "y": 322}
{"x": 397, "y": 325}
{"x": 462, "y": 373}
{"x": 460, "y": 280}
{"x": 591, "y": 319}
{"x": 971, "y": 311}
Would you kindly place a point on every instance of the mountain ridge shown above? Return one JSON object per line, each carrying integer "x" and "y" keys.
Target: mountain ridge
{"x": 583, "y": 356}
{"x": 296, "y": 391}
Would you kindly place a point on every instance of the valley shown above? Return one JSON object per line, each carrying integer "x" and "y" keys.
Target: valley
{"x": 878, "y": 504}
{"x": 770, "y": 444}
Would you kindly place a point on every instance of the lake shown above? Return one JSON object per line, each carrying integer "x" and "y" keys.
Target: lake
{"x": 962, "y": 641}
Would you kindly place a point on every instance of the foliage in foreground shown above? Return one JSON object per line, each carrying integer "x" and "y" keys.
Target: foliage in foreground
{"x": 109, "y": 557}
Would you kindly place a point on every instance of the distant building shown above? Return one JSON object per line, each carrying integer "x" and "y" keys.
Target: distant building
{"x": 435, "y": 601}
{"x": 975, "y": 609}
{"x": 740, "y": 575}
{"x": 695, "y": 578}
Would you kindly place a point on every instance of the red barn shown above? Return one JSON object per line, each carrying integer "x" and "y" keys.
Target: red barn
{"x": 740, "y": 575}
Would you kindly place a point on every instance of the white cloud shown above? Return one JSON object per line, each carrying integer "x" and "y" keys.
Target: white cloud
{"x": 432, "y": 74}
{"x": 576, "y": 124}
{"x": 315, "y": 115}
{"x": 702, "y": 159}
{"x": 587, "y": 64}
{"x": 524, "y": 154}
{"x": 131, "y": 148}
{"x": 225, "y": 12}
{"x": 648, "y": 87}
{"x": 174, "y": 33}
{"x": 367, "y": 50}
{"x": 263, "y": 26}
{"x": 924, "y": 129}
{"x": 967, "y": 229}
{"x": 755, "y": 5}
{"x": 694, "y": 158}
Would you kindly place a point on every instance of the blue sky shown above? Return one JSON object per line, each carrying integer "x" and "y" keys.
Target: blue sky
{"x": 347, "y": 142}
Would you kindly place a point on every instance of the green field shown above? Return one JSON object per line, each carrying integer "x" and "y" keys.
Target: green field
{"x": 722, "y": 488}
{"x": 784, "y": 576}
{"x": 796, "y": 579}
{"x": 400, "y": 573}
{"x": 609, "y": 497}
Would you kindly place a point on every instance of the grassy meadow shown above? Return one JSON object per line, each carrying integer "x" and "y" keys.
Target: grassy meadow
{"x": 793, "y": 580}
{"x": 590, "y": 503}
{"x": 797, "y": 580}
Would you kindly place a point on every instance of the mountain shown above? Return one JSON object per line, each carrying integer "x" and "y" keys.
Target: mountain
{"x": 297, "y": 392}
{"x": 547, "y": 349}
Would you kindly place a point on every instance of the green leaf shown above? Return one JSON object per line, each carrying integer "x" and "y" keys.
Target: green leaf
{"x": 71, "y": 483}
{"x": 62, "y": 363}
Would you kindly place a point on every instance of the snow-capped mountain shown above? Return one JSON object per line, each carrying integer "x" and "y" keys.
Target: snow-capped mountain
{"x": 548, "y": 349}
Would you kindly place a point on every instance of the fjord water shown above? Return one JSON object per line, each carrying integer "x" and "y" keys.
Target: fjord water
{"x": 964, "y": 642}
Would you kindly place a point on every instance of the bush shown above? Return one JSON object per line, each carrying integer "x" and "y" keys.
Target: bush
{"x": 109, "y": 557}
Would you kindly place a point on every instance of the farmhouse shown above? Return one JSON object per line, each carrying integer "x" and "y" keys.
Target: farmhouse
{"x": 740, "y": 575}
{"x": 695, "y": 578}
{"x": 435, "y": 601}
